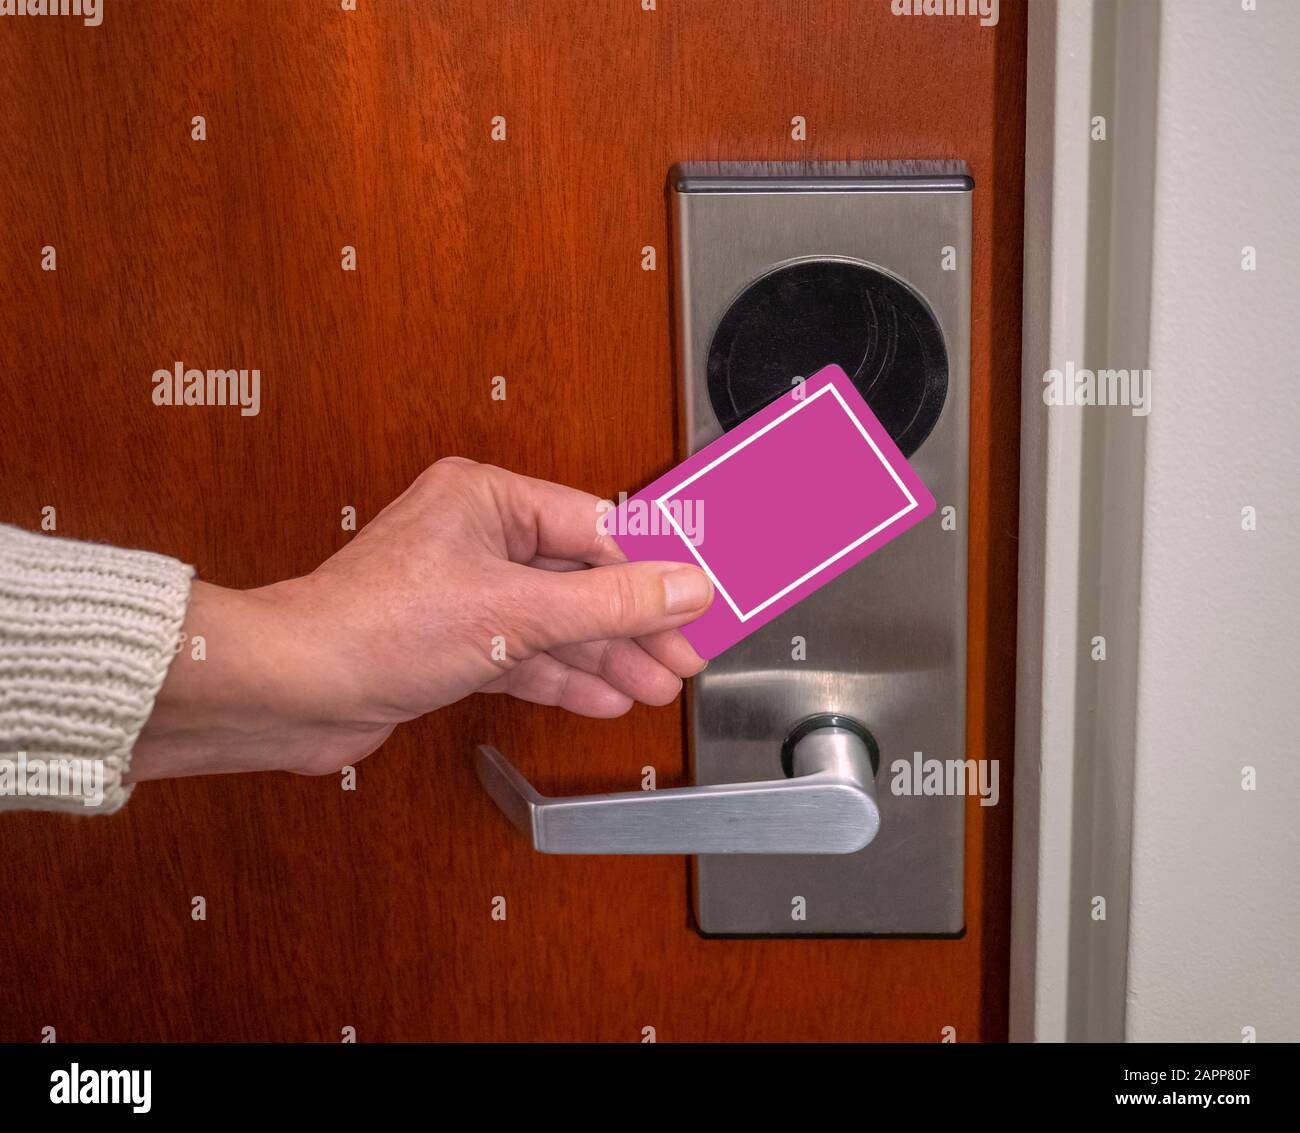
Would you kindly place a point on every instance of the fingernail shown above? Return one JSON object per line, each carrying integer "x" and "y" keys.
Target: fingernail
{"x": 686, "y": 589}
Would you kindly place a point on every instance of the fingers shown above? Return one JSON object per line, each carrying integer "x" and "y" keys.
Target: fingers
{"x": 671, "y": 649}
{"x": 541, "y": 562}
{"x": 625, "y": 666}
{"x": 626, "y": 600}
{"x": 549, "y": 520}
{"x": 544, "y": 680}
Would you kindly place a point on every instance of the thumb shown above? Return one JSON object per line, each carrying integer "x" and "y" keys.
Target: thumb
{"x": 624, "y": 600}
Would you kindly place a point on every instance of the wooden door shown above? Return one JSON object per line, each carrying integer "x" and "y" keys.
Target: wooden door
{"x": 476, "y": 257}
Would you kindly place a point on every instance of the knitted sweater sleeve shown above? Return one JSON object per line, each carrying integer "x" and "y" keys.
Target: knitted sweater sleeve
{"x": 86, "y": 635}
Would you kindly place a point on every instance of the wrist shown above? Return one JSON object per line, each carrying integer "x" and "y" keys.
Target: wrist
{"x": 256, "y": 684}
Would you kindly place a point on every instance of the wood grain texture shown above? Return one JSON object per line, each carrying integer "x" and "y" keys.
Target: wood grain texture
{"x": 476, "y": 258}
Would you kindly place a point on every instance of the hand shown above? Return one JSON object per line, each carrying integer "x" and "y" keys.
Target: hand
{"x": 473, "y": 580}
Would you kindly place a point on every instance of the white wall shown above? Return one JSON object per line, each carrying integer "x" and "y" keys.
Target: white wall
{"x": 1214, "y": 917}
{"x": 1128, "y": 772}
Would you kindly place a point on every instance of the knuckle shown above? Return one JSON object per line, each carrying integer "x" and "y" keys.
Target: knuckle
{"x": 449, "y": 467}
{"x": 451, "y": 470}
{"x": 452, "y": 478}
{"x": 624, "y": 598}
{"x": 555, "y": 682}
{"x": 606, "y": 662}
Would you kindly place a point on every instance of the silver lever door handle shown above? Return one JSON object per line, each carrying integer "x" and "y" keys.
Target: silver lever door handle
{"x": 827, "y": 806}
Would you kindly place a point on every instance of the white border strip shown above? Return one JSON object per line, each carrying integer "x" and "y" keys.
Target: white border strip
{"x": 1087, "y": 246}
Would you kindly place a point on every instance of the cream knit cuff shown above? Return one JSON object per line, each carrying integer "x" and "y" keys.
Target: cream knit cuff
{"x": 86, "y": 634}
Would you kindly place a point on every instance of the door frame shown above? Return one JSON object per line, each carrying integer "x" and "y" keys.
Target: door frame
{"x": 1087, "y": 280}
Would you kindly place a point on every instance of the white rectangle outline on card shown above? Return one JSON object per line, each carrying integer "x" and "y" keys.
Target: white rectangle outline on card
{"x": 829, "y": 387}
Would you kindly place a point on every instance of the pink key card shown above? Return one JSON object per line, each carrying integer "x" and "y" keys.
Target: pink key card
{"x": 776, "y": 508}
